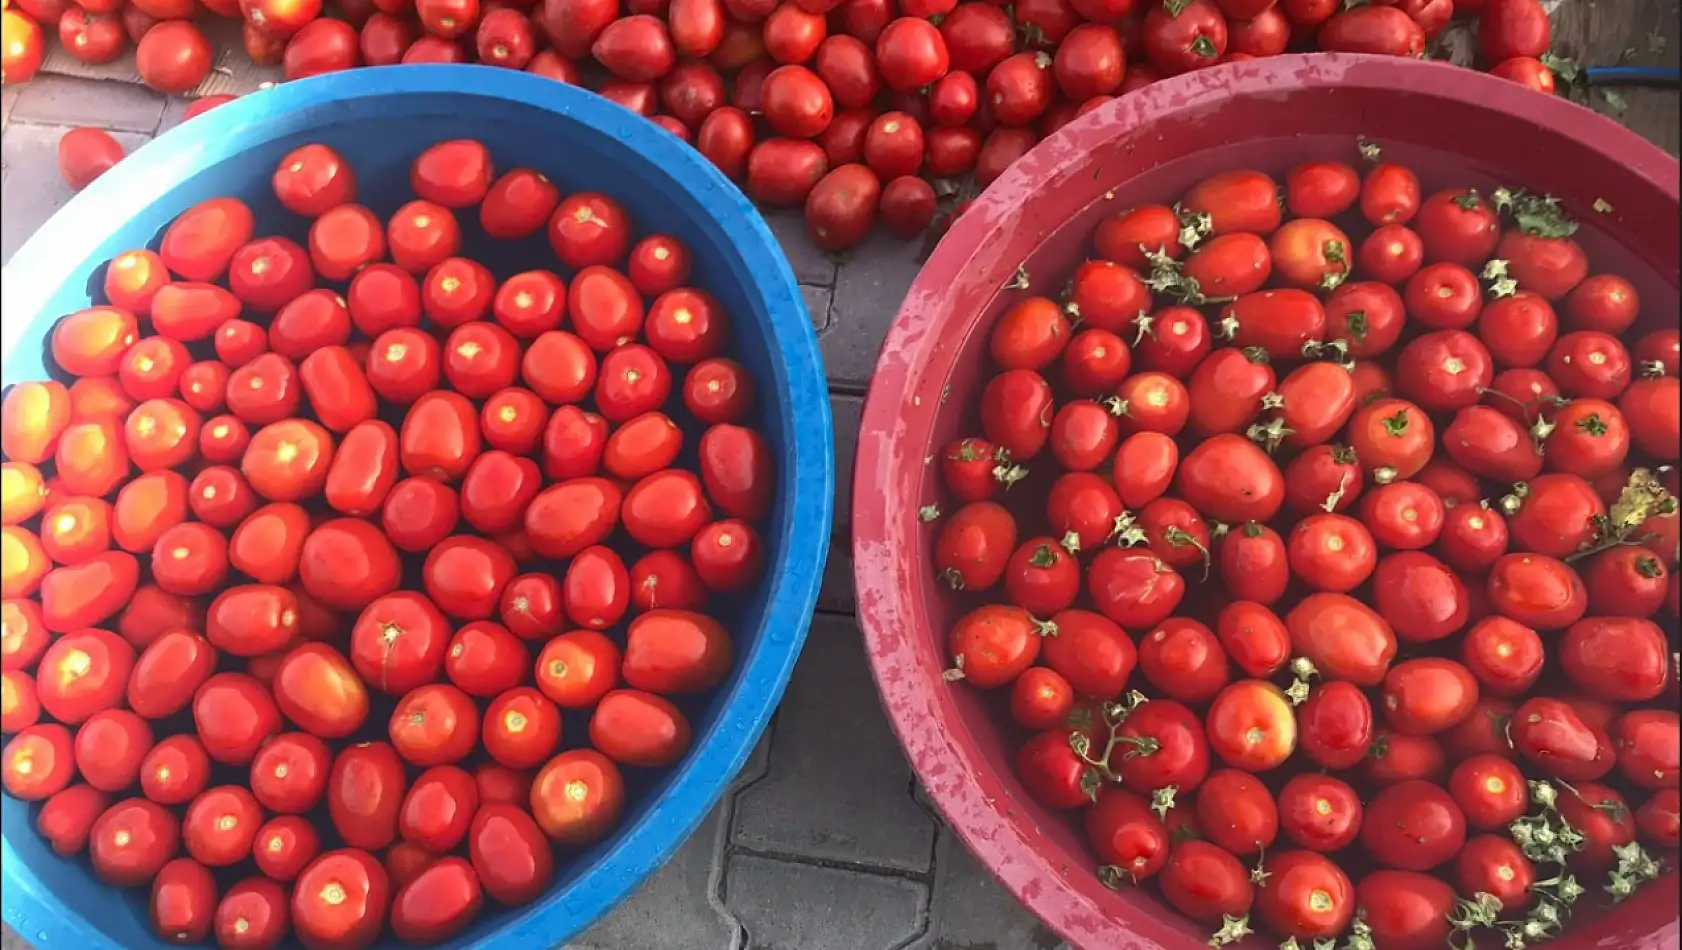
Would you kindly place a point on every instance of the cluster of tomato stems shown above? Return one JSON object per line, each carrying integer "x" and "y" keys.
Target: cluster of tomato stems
{"x": 1549, "y": 840}
{"x": 1545, "y": 838}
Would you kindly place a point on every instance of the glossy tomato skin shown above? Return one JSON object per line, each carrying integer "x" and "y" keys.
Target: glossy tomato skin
{"x": 1252, "y": 726}
{"x": 234, "y": 715}
{"x": 1136, "y": 588}
{"x": 365, "y": 792}
{"x": 1335, "y": 725}
{"x": 1616, "y": 659}
{"x": 1604, "y": 819}
{"x": 1229, "y": 478}
{"x": 435, "y": 724}
{"x": 220, "y": 825}
{"x": 289, "y": 773}
{"x": 1538, "y": 591}
{"x": 577, "y": 797}
{"x": 1052, "y": 773}
{"x": 1206, "y": 883}
{"x": 485, "y": 659}
{"x": 1344, "y": 638}
{"x": 1306, "y": 896}
{"x": 1646, "y": 747}
{"x": 1162, "y": 743}
{"x": 316, "y": 688}
{"x": 438, "y": 808}
{"x": 131, "y": 841}
{"x": 341, "y": 899}
{"x": 1237, "y": 812}
{"x": 1126, "y": 835}
{"x": 1405, "y": 909}
{"x": 66, "y": 819}
{"x": 1506, "y": 656}
{"x": 83, "y": 673}
{"x": 1319, "y": 812}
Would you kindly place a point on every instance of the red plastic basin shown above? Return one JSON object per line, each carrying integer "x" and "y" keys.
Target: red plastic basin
{"x": 1453, "y": 126}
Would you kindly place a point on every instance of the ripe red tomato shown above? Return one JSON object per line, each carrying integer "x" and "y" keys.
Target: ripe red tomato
{"x": 1129, "y": 840}
{"x": 131, "y": 841}
{"x": 1319, "y": 813}
{"x": 340, "y": 899}
{"x": 220, "y": 825}
{"x": 577, "y": 797}
{"x": 1206, "y": 883}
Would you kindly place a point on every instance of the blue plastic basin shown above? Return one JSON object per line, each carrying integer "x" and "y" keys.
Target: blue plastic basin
{"x": 380, "y": 119}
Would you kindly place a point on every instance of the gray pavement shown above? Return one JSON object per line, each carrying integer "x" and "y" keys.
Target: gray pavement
{"x": 824, "y": 842}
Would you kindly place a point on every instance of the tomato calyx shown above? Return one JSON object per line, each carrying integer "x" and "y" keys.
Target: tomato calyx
{"x": 1302, "y": 670}
{"x": 1500, "y": 283}
{"x": 1535, "y": 215}
{"x": 1468, "y": 200}
{"x": 1168, "y": 277}
{"x": 1233, "y": 929}
{"x": 1269, "y": 435}
{"x": 1335, "y": 253}
{"x": 1635, "y": 868}
{"x": 1641, "y": 498}
{"x": 1162, "y": 801}
{"x": 1592, "y": 424}
{"x": 1127, "y": 532}
{"x": 1337, "y": 351}
{"x": 1194, "y": 226}
{"x": 1019, "y": 280}
{"x": 1546, "y": 837}
{"x": 1044, "y": 556}
{"x": 1007, "y": 474}
{"x": 1483, "y": 909}
{"x": 928, "y": 513}
{"x": 1070, "y": 542}
{"x": 1649, "y": 369}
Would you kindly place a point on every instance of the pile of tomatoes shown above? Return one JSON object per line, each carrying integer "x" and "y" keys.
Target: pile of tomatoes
{"x": 1323, "y": 540}
{"x": 344, "y": 578}
{"x": 854, "y": 109}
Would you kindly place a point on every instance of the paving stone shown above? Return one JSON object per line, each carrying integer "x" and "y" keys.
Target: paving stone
{"x": 970, "y": 911}
{"x": 839, "y": 789}
{"x": 790, "y": 906}
{"x": 175, "y": 112}
{"x": 868, "y": 292}
{"x": 845, "y": 411}
{"x": 33, "y": 189}
{"x": 8, "y": 98}
{"x": 817, "y": 303}
{"x": 837, "y": 596}
{"x": 811, "y": 266}
{"x": 678, "y": 906}
{"x": 9, "y": 939}
{"x": 62, "y": 100}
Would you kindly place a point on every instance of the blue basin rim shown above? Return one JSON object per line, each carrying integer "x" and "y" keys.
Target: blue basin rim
{"x": 36, "y": 273}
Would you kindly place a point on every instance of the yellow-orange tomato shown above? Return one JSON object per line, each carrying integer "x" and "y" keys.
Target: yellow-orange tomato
{"x": 23, "y": 562}
{"x": 1252, "y": 726}
{"x": 23, "y": 492}
{"x": 91, "y": 458}
{"x": 91, "y": 342}
{"x": 32, "y": 418}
